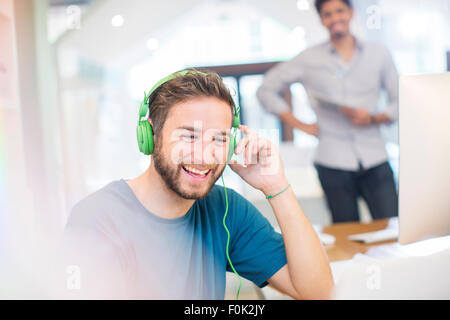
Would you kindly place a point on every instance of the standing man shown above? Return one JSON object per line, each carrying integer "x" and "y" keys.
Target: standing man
{"x": 351, "y": 159}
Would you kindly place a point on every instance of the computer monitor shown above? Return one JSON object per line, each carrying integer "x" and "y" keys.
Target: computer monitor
{"x": 424, "y": 174}
{"x": 448, "y": 60}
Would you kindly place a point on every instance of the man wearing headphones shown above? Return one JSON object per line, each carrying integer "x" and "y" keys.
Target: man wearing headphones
{"x": 171, "y": 233}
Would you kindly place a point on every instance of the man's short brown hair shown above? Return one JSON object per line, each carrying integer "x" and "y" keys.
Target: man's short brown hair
{"x": 193, "y": 84}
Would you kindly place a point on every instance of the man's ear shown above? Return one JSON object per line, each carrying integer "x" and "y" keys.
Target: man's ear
{"x": 352, "y": 13}
{"x": 321, "y": 20}
{"x": 153, "y": 128}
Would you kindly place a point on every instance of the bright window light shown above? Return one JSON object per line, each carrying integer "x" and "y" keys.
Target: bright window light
{"x": 413, "y": 25}
{"x": 117, "y": 21}
{"x": 302, "y": 5}
{"x": 299, "y": 32}
{"x": 152, "y": 44}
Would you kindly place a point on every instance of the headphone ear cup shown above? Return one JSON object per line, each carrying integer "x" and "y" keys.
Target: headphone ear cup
{"x": 143, "y": 109}
{"x": 140, "y": 139}
{"x": 145, "y": 137}
{"x": 148, "y": 137}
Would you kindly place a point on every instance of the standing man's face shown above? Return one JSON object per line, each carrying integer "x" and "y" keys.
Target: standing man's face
{"x": 191, "y": 151}
{"x": 336, "y": 16}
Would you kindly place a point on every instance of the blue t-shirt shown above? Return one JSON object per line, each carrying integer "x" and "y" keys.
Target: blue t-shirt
{"x": 125, "y": 251}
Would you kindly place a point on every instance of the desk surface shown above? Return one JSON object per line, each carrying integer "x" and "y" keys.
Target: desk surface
{"x": 344, "y": 249}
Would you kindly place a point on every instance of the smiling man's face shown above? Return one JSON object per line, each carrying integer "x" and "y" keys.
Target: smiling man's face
{"x": 336, "y": 16}
{"x": 191, "y": 151}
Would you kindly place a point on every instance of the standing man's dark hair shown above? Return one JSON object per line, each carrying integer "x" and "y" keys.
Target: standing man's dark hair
{"x": 319, "y": 4}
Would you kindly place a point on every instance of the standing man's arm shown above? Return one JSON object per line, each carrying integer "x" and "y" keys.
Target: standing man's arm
{"x": 389, "y": 82}
{"x": 307, "y": 274}
{"x": 270, "y": 93}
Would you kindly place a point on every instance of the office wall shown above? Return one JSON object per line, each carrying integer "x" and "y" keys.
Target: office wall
{"x": 33, "y": 200}
{"x": 30, "y": 185}
{"x": 11, "y": 154}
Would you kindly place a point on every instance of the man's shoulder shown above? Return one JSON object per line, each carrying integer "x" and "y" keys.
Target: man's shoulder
{"x": 311, "y": 53}
{"x": 315, "y": 49}
{"x": 374, "y": 47}
{"x": 97, "y": 203}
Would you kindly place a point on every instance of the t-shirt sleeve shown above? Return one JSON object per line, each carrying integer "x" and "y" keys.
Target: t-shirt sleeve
{"x": 257, "y": 251}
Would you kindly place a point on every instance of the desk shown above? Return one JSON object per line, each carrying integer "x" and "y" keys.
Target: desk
{"x": 415, "y": 277}
{"x": 344, "y": 249}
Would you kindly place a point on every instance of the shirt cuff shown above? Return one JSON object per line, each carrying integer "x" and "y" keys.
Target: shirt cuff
{"x": 392, "y": 112}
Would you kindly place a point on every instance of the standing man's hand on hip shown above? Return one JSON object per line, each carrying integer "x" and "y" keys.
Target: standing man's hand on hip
{"x": 359, "y": 117}
{"x": 312, "y": 129}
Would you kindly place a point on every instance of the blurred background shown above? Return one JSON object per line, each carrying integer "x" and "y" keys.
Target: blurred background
{"x": 73, "y": 73}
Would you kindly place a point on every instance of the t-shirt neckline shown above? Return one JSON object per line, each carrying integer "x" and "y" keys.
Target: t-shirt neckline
{"x": 153, "y": 216}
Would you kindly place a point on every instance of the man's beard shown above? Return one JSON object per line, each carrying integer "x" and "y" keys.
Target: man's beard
{"x": 171, "y": 176}
{"x": 339, "y": 35}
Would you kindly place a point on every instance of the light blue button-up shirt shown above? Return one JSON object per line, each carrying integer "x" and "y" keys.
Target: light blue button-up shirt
{"x": 358, "y": 83}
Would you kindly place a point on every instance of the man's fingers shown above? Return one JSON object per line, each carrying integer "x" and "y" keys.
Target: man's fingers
{"x": 346, "y": 110}
{"x": 253, "y": 146}
{"x": 249, "y": 152}
{"x": 241, "y": 144}
{"x": 235, "y": 166}
{"x": 244, "y": 129}
{"x": 249, "y": 139}
{"x": 265, "y": 153}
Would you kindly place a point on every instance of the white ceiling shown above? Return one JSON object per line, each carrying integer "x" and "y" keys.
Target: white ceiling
{"x": 97, "y": 40}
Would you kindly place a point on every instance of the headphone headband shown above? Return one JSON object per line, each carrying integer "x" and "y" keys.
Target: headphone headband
{"x": 145, "y": 103}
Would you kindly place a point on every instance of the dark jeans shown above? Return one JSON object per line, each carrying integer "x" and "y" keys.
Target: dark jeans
{"x": 342, "y": 188}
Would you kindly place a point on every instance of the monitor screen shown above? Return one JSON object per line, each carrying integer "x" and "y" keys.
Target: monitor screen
{"x": 448, "y": 60}
{"x": 424, "y": 139}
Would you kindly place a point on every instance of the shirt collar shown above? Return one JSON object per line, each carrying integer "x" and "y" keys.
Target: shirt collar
{"x": 358, "y": 44}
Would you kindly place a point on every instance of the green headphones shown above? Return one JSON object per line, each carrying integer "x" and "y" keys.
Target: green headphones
{"x": 144, "y": 129}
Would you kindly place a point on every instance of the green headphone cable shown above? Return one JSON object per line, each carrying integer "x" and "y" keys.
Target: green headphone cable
{"x": 228, "y": 240}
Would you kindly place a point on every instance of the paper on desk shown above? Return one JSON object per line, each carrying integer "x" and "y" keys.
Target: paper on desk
{"x": 340, "y": 268}
{"x": 389, "y": 233}
{"x": 415, "y": 277}
{"x": 393, "y": 223}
